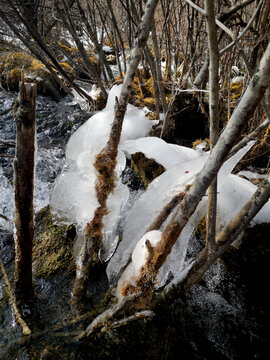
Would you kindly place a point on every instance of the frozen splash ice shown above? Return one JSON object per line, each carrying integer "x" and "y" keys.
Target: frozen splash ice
{"x": 138, "y": 259}
{"x": 73, "y": 197}
{"x": 236, "y": 191}
{"x": 147, "y": 207}
{"x": 158, "y": 194}
{"x": 165, "y": 154}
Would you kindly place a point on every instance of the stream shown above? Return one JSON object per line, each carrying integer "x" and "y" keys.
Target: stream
{"x": 225, "y": 316}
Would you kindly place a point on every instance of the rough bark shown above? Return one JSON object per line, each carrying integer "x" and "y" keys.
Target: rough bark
{"x": 24, "y": 114}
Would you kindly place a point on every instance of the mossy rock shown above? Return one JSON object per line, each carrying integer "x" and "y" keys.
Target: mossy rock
{"x": 142, "y": 90}
{"x": 12, "y": 63}
{"x": 146, "y": 169}
{"x": 52, "y": 246}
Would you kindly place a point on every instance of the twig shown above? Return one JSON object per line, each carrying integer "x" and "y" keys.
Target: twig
{"x": 8, "y": 143}
{"x": 243, "y": 32}
{"x": 19, "y": 319}
{"x": 225, "y": 28}
{"x": 138, "y": 315}
{"x": 106, "y": 318}
{"x": 5, "y": 218}
{"x": 7, "y": 156}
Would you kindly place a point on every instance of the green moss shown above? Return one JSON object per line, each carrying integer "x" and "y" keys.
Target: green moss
{"x": 52, "y": 247}
{"x": 146, "y": 169}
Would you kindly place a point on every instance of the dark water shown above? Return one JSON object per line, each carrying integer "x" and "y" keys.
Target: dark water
{"x": 223, "y": 317}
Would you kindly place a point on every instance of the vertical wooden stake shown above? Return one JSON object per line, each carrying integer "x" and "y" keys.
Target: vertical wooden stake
{"x": 24, "y": 115}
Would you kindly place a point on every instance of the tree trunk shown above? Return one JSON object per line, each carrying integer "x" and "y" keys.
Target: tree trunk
{"x": 24, "y": 114}
{"x": 214, "y": 116}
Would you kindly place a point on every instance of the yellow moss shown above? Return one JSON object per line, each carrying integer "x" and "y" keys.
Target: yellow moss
{"x": 266, "y": 134}
{"x": 15, "y": 59}
{"x": 236, "y": 89}
{"x": 71, "y": 50}
{"x": 200, "y": 141}
{"x": 108, "y": 42}
{"x": 201, "y": 227}
{"x": 36, "y": 65}
{"x": 93, "y": 60}
{"x": 15, "y": 74}
{"x": 149, "y": 101}
{"x": 152, "y": 116}
{"x": 14, "y": 62}
{"x": 66, "y": 67}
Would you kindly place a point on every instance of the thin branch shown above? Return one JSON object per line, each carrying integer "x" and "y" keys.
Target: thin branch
{"x": 8, "y": 143}
{"x": 19, "y": 319}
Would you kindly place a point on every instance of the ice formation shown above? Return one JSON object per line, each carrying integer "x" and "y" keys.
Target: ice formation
{"x": 138, "y": 260}
{"x": 147, "y": 207}
{"x": 158, "y": 194}
{"x": 73, "y": 197}
{"x": 236, "y": 191}
{"x": 165, "y": 154}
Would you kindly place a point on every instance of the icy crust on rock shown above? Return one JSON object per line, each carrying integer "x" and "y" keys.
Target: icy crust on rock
{"x": 165, "y": 154}
{"x": 73, "y": 197}
{"x": 138, "y": 259}
{"x": 158, "y": 194}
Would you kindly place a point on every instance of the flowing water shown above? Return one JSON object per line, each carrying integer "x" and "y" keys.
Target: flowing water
{"x": 216, "y": 320}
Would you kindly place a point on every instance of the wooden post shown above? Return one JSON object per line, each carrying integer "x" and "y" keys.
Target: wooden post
{"x": 24, "y": 115}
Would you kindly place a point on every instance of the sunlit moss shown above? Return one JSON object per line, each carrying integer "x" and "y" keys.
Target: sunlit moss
{"x": 12, "y": 65}
{"x": 142, "y": 89}
{"x": 66, "y": 67}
